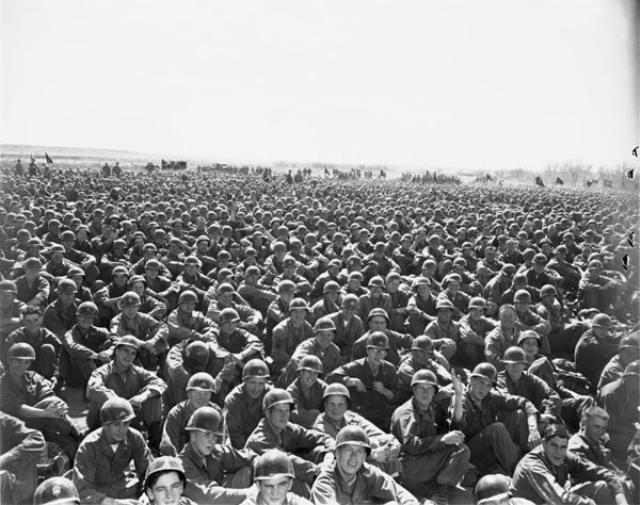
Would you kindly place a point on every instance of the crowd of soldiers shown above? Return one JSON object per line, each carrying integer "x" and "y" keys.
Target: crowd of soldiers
{"x": 241, "y": 340}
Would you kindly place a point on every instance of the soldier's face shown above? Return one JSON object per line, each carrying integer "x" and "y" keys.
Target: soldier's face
{"x": 167, "y": 490}
{"x": 324, "y": 338}
{"x": 125, "y": 355}
{"x": 254, "y": 386}
{"x": 18, "y": 366}
{"x": 85, "y": 320}
{"x": 515, "y": 370}
{"x": 555, "y": 449}
{"x": 32, "y": 322}
{"x": 349, "y": 459}
{"x": 377, "y": 324}
{"x": 530, "y": 347}
{"x": 596, "y": 427}
{"x": 116, "y": 431}
{"x": 423, "y": 394}
{"x": 479, "y": 387}
{"x": 308, "y": 378}
{"x": 278, "y": 415}
{"x": 198, "y": 398}
{"x": 297, "y": 316}
{"x": 335, "y": 406}
{"x": 274, "y": 490}
{"x": 203, "y": 441}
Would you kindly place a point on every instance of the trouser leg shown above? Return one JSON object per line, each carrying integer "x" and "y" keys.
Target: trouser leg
{"x": 455, "y": 464}
{"x": 46, "y": 361}
{"x": 516, "y": 424}
{"x": 598, "y": 491}
{"x": 571, "y": 410}
{"x": 491, "y": 445}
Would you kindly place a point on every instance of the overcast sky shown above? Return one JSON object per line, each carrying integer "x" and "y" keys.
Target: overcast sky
{"x": 458, "y": 83}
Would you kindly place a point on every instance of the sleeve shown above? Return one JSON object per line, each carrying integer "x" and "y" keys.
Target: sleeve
{"x": 84, "y": 474}
{"x": 97, "y": 389}
{"x": 141, "y": 454}
{"x": 233, "y": 421}
{"x": 170, "y": 435}
{"x": 323, "y": 491}
{"x": 75, "y": 349}
{"x": 150, "y": 381}
{"x": 234, "y": 459}
{"x": 492, "y": 351}
{"x": 18, "y": 439}
{"x": 547, "y": 488}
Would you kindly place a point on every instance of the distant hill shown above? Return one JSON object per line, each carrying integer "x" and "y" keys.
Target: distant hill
{"x": 24, "y": 151}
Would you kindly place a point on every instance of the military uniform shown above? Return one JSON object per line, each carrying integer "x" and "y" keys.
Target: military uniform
{"x": 308, "y": 403}
{"x": 241, "y": 415}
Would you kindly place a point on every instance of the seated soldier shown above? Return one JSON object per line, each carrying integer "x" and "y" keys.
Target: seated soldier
{"x": 240, "y": 345}
{"x": 328, "y": 304}
{"x": 349, "y": 326}
{"x": 11, "y": 309}
{"x": 192, "y": 356}
{"x": 29, "y": 397}
{"x": 122, "y": 378}
{"x": 273, "y": 476}
{"x": 434, "y": 459}
{"x": 20, "y": 450}
{"x": 378, "y": 321}
{"x": 142, "y": 326}
{"x": 563, "y": 333}
{"x": 60, "y": 315}
{"x": 165, "y": 483}
{"x": 288, "y": 334}
{"x": 542, "y": 476}
{"x": 307, "y": 390}
{"x": 474, "y": 327}
{"x": 226, "y": 297}
{"x": 589, "y": 442}
{"x": 257, "y": 296}
{"x": 306, "y": 448}
{"x": 102, "y": 466}
{"x": 493, "y": 489}
{"x": 595, "y": 348}
{"x": 628, "y": 351}
{"x": 444, "y": 331}
{"x": 45, "y": 344}
{"x": 243, "y": 405}
{"x": 86, "y": 347}
{"x": 459, "y": 299}
{"x": 174, "y": 434}
{"x": 215, "y": 472}
{"x": 278, "y": 309}
{"x": 350, "y": 480}
{"x": 502, "y": 337}
{"x": 493, "y": 423}
{"x": 423, "y": 357}
{"x": 385, "y": 447}
{"x": 374, "y": 381}
{"x": 186, "y": 322}
{"x": 527, "y": 319}
{"x": 320, "y": 345}
{"x": 107, "y": 298}
{"x": 33, "y": 288}
{"x": 421, "y": 306}
{"x": 151, "y": 303}
{"x": 375, "y": 299}
{"x": 620, "y": 399}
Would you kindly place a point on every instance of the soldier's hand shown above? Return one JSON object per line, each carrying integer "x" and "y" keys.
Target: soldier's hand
{"x": 137, "y": 401}
{"x": 453, "y": 437}
{"x": 534, "y": 438}
{"x": 356, "y": 383}
{"x": 379, "y": 454}
{"x": 458, "y": 386}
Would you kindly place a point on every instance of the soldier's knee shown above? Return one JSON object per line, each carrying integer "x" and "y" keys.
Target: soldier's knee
{"x": 496, "y": 430}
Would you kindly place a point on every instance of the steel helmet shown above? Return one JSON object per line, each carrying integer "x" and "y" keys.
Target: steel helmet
{"x": 425, "y": 377}
{"x": 66, "y": 287}
{"x": 137, "y": 278}
{"x": 286, "y": 286}
{"x": 206, "y": 419}
{"x": 33, "y": 263}
{"x": 547, "y": 289}
{"x": 514, "y": 355}
{"x": 485, "y": 371}
{"x": 7, "y": 286}
{"x": 420, "y": 281}
{"x": 164, "y": 464}
{"x": 225, "y": 287}
{"x": 376, "y": 282}
{"x": 632, "y": 341}
{"x": 443, "y": 303}
{"x": 273, "y": 463}
{"x": 128, "y": 341}
{"x": 87, "y": 308}
{"x": 255, "y": 368}
{"x": 311, "y": 363}
{"x": 277, "y": 396}
{"x": 116, "y": 409}
{"x": 298, "y": 304}
{"x": 119, "y": 270}
{"x": 632, "y": 368}
{"x": 349, "y": 301}
{"x": 336, "y": 389}
{"x": 196, "y": 354}
{"x": 353, "y": 435}
{"x": 601, "y": 320}
{"x": 330, "y": 287}
{"x": 187, "y": 297}
{"x": 56, "y": 491}
{"x": 422, "y": 343}
{"x": 324, "y": 323}
{"x": 229, "y": 315}
{"x": 75, "y": 271}
{"x": 529, "y": 334}
{"x": 522, "y": 295}
{"x": 477, "y": 302}
{"x": 378, "y": 312}
{"x": 492, "y": 485}
{"x": 129, "y": 299}
{"x": 378, "y": 339}
{"x": 21, "y": 350}
{"x": 200, "y": 381}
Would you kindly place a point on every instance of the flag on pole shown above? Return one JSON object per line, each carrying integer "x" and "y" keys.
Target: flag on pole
{"x": 32, "y": 159}
{"x": 48, "y": 158}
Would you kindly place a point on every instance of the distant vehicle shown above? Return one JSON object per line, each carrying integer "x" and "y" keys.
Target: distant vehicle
{"x": 173, "y": 165}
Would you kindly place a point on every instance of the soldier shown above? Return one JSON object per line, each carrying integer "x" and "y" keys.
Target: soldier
{"x": 174, "y": 434}
{"x": 151, "y": 303}
{"x": 374, "y": 380}
{"x": 289, "y": 333}
{"x": 306, "y": 448}
{"x": 227, "y": 297}
{"x": 542, "y": 475}
{"x": 243, "y": 405}
{"x": 216, "y": 473}
{"x": 421, "y": 306}
{"x": 102, "y": 464}
{"x": 493, "y": 489}
{"x": 142, "y": 326}
{"x": 329, "y": 302}
{"x": 375, "y": 299}
{"x": 474, "y": 327}
{"x": 350, "y": 480}
{"x": 20, "y": 450}
{"x": 107, "y": 298}
{"x": 56, "y": 491}
{"x": 60, "y": 316}
{"x": 628, "y": 351}
{"x": 45, "y": 344}
{"x": 32, "y": 287}
{"x": 278, "y": 310}
{"x": 11, "y": 309}
{"x": 122, "y": 378}
{"x": 595, "y": 348}
{"x": 378, "y": 321}
{"x": 444, "y": 331}
{"x": 307, "y": 391}
{"x": 257, "y": 295}
{"x": 503, "y": 336}
{"x": 274, "y": 476}
{"x": 481, "y": 416}
{"x": 86, "y": 346}
{"x": 186, "y": 322}
{"x": 165, "y": 483}
{"x": 349, "y": 326}
{"x": 423, "y": 357}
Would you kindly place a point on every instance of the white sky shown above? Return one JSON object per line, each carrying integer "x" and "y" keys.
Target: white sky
{"x": 474, "y": 84}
